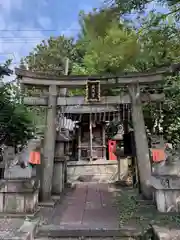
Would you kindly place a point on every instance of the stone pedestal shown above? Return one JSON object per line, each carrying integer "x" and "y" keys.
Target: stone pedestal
{"x": 166, "y": 184}
{"x": 19, "y": 196}
{"x": 122, "y": 164}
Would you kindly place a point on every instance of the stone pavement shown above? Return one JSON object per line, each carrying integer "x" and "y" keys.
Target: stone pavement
{"x": 89, "y": 212}
{"x": 88, "y": 205}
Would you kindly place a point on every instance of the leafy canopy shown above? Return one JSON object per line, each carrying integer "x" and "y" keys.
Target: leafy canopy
{"x": 15, "y": 121}
{"x": 127, "y": 6}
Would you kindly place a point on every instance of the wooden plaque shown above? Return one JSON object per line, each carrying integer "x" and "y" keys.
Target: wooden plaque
{"x": 93, "y": 91}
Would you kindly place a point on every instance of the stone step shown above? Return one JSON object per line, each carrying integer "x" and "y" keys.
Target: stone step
{"x": 139, "y": 199}
{"x": 56, "y": 231}
{"x": 86, "y": 238}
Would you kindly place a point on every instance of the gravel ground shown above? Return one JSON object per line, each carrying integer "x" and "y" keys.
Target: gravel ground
{"x": 9, "y": 226}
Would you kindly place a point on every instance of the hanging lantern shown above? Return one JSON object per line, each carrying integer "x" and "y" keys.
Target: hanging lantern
{"x": 93, "y": 91}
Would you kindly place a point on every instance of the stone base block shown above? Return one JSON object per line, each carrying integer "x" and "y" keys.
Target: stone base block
{"x": 166, "y": 192}
{"x": 96, "y": 171}
{"x": 167, "y": 201}
{"x": 19, "y": 196}
{"x": 163, "y": 233}
{"x": 46, "y": 204}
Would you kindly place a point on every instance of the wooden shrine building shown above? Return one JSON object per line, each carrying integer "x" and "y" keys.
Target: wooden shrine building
{"x": 94, "y": 109}
{"x": 90, "y": 130}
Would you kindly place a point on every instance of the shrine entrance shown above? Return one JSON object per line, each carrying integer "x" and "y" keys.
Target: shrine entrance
{"x": 75, "y": 136}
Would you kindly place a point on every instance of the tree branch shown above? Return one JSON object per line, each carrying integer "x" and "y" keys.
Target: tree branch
{"x": 172, "y": 12}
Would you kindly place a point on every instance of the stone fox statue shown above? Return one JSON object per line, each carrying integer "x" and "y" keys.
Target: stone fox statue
{"x": 31, "y": 155}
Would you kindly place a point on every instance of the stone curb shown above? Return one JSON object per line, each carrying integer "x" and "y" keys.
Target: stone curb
{"x": 60, "y": 231}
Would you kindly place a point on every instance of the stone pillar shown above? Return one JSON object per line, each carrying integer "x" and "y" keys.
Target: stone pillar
{"x": 79, "y": 143}
{"x": 49, "y": 146}
{"x": 104, "y": 141}
{"x": 142, "y": 150}
{"x": 90, "y": 137}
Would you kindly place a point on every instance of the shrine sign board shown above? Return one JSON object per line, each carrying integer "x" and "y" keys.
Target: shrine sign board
{"x": 93, "y": 91}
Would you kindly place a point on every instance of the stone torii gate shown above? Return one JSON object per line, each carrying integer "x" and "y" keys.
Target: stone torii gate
{"x": 50, "y": 97}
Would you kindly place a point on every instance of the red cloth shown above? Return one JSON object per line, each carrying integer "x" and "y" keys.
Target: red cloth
{"x": 158, "y": 155}
{"x": 35, "y": 158}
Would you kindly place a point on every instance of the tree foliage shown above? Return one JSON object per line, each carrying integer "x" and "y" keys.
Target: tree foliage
{"x": 127, "y": 6}
{"x": 50, "y": 55}
{"x": 15, "y": 121}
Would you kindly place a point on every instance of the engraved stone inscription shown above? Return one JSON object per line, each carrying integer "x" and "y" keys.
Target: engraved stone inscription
{"x": 165, "y": 182}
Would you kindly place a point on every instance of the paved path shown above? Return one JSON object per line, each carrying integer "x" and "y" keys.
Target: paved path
{"x": 88, "y": 205}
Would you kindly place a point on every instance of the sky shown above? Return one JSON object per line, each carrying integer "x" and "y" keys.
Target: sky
{"x": 24, "y": 23}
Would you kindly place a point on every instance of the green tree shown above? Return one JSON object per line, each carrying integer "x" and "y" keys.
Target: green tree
{"x": 127, "y": 6}
{"x": 160, "y": 47}
{"x": 110, "y": 45}
{"x": 15, "y": 121}
{"x": 49, "y": 56}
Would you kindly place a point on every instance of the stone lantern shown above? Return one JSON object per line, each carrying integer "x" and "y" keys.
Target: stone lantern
{"x": 119, "y": 152}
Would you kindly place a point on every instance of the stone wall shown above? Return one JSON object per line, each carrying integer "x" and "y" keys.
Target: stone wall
{"x": 96, "y": 171}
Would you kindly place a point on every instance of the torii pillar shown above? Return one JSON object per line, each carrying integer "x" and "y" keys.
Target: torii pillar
{"x": 49, "y": 146}
{"x": 142, "y": 150}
